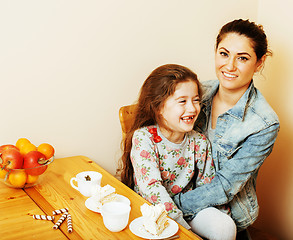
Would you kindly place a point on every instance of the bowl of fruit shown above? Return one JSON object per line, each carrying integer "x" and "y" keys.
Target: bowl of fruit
{"x": 22, "y": 165}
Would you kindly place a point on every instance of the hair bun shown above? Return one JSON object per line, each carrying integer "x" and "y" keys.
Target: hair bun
{"x": 260, "y": 27}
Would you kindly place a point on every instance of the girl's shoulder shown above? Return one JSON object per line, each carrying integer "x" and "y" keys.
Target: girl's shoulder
{"x": 146, "y": 135}
{"x": 146, "y": 132}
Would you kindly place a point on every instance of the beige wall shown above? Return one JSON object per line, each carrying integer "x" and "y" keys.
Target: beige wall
{"x": 275, "y": 182}
{"x": 67, "y": 66}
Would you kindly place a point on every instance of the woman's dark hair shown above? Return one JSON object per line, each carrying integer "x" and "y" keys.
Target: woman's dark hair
{"x": 159, "y": 85}
{"x": 250, "y": 30}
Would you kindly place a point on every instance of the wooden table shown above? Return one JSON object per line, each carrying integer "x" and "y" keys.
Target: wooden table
{"x": 55, "y": 192}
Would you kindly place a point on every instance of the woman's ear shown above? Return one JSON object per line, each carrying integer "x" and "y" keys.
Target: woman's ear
{"x": 260, "y": 63}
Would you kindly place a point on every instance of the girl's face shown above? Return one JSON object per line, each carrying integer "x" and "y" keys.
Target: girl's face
{"x": 236, "y": 62}
{"x": 180, "y": 111}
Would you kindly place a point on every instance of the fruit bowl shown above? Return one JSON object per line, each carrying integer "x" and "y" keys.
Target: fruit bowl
{"x": 24, "y": 177}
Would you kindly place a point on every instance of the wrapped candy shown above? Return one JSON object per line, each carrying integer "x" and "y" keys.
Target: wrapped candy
{"x": 43, "y": 217}
{"x": 60, "y": 221}
{"x": 69, "y": 223}
{"x": 59, "y": 211}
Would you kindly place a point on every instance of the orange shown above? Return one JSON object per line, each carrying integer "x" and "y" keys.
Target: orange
{"x": 17, "y": 178}
{"x": 21, "y": 142}
{"x": 32, "y": 179}
{"x": 3, "y": 172}
{"x": 46, "y": 149}
{"x": 27, "y": 148}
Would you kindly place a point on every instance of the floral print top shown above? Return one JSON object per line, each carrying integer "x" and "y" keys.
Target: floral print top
{"x": 163, "y": 169}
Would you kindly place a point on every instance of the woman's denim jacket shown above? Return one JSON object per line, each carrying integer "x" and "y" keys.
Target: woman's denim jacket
{"x": 244, "y": 138}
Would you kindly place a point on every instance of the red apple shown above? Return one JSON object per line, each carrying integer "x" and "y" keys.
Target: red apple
{"x": 7, "y": 146}
{"x": 33, "y": 162}
{"x": 11, "y": 159}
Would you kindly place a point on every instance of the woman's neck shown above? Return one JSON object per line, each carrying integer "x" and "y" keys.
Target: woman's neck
{"x": 228, "y": 97}
{"x": 223, "y": 101}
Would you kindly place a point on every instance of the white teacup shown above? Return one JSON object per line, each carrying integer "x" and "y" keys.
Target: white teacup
{"x": 115, "y": 215}
{"x": 87, "y": 182}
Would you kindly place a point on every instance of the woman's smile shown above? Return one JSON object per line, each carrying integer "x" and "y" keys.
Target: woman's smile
{"x": 229, "y": 75}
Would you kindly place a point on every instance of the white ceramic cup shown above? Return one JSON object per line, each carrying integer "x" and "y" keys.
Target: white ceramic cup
{"x": 87, "y": 182}
{"x": 115, "y": 215}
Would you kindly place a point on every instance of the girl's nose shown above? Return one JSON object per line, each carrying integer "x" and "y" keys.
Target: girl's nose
{"x": 191, "y": 107}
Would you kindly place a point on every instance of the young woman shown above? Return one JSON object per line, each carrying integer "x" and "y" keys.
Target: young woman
{"x": 162, "y": 152}
{"x": 241, "y": 126}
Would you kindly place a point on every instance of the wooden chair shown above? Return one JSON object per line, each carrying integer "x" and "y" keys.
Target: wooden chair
{"x": 126, "y": 114}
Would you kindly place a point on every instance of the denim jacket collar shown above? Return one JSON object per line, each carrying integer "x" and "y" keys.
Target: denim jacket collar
{"x": 238, "y": 111}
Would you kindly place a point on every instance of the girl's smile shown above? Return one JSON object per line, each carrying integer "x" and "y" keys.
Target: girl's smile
{"x": 180, "y": 111}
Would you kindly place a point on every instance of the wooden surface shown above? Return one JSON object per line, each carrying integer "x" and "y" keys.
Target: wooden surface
{"x": 55, "y": 192}
{"x": 16, "y": 221}
{"x": 126, "y": 114}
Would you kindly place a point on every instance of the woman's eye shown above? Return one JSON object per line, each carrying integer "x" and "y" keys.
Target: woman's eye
{"x": 244, "y": 59}
{"x": 224, "y": 54}
{"x": 197, "y": 100}
{"x": 182, "y": 101}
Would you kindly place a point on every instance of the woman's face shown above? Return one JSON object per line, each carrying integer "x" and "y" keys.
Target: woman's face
{"x": 236, "y": 62}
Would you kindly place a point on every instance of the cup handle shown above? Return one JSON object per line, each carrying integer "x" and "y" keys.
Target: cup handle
{"x": 72, "y": 184}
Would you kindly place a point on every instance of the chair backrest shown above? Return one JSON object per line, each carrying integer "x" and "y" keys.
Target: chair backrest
{"x": 126, "y": 114}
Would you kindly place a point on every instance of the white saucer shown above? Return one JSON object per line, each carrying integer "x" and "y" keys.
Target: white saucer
{"x": 96, "y": 207}
{"x": 137, "y": 228}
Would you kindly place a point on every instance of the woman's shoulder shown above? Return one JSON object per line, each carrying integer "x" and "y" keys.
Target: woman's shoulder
{"x": 210, "y": 83}
{"x": 209, "y": 88}
{"x": 263, "y": 109}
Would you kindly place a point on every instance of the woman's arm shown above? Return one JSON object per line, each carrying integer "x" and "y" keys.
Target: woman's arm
{"x": 204, "y": 161}
{"x": 233, "y": 176}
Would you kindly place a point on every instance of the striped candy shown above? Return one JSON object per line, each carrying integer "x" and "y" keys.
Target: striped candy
{"x": 61, "y": 220}
{"x": 43, "y": 217}
{"x": 69, "y": 223}
{"x": 59, "y": 211}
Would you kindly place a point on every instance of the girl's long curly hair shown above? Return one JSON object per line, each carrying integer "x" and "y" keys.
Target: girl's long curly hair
{"x": 159, "y": 85}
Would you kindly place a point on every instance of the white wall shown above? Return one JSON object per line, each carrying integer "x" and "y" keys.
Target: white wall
{"x": 67, "y": 66}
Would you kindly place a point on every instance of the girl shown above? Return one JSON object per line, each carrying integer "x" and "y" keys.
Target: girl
{"x": 162, "y": 152}
{"x": 241, "y": 126}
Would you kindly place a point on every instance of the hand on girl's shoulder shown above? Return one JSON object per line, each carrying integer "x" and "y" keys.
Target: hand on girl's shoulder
{"x": 198, "y": 135}
{"x": 200, "y": 140}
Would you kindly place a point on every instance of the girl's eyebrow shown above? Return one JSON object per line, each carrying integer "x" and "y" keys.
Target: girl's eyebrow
{"x": 240, "y": 53}
{"x": 196, "y": 96}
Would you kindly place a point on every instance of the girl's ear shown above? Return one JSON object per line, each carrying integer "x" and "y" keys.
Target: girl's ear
{"x": 260, "y": 63}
